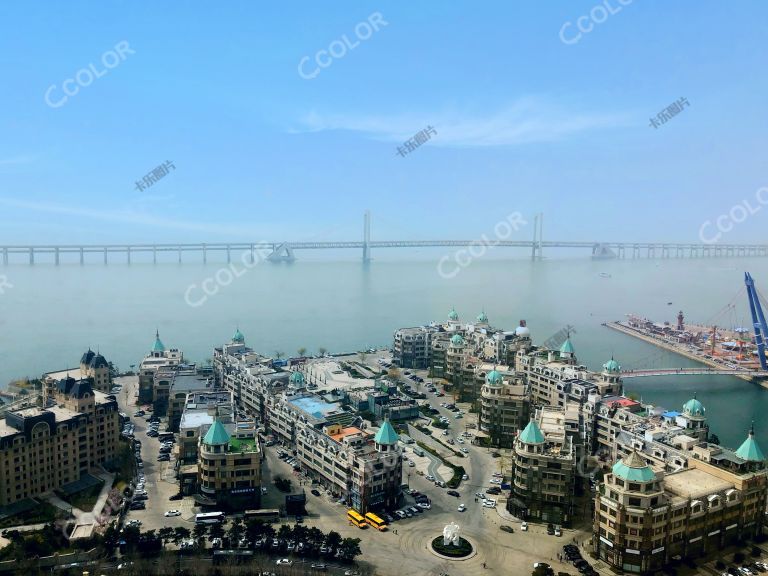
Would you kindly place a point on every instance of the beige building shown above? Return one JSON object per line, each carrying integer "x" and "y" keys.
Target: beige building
{"x": 157, "y": 359}
{"x": 544, "y": 469}
{"x": 504, "y": 408}
{"x": 42, "y": 449}
{"x": 229, "y": 470}
{"x": 92, "y": 365}
{"x": 644, "y": 516}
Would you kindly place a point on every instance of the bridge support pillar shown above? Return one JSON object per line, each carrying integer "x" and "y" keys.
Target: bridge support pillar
{"x": 229, "y": 254}
{"x": 154, "y": 254}
{"x": 179, "y": 254}
{"x": 5, "y": 256}
{"x": 128, "y": 254}
{"x": 367, "y": 236}
{"x": 82, "y": 256}
{"x": 31, "y": 255}
{"x": 56, "y": 256}
{"x": 105, "y": 255}
{"x": 205, "y": 255}
{"x": 282, "y": 253}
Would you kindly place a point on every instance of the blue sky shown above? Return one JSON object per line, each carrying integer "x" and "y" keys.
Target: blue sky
{"x": 525, "y": 122}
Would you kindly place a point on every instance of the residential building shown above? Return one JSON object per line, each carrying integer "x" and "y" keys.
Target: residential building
{"x": 92, "y": 365}
{"x": 544, "y": 469}
{"x": 504, "y": 407}
{"x": 43, "y": 449}
{"x": 645, "y": 516}
{"x": 156, "y": 359}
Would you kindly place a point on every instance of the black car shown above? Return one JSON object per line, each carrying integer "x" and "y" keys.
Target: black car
{"x": 389, "y": 518}
{"x": 176, "y": 497}
{"x": 138, "y": 506}
{"x": 453, "y": 493}
{"x": 315, "y": 492}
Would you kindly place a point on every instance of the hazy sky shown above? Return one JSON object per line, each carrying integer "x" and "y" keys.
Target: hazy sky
{"x": 530, "y": 115}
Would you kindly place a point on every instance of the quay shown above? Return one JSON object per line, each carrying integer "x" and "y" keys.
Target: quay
{"x": 714, "y": 368}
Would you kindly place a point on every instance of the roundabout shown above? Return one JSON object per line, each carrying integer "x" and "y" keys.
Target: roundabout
{"x": 459, "y": 551}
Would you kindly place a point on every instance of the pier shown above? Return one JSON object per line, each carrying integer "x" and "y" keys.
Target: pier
{"x": 713, "y": 367}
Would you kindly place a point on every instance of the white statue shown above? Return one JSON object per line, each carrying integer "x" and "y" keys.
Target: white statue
{"x": 451, "y": 534}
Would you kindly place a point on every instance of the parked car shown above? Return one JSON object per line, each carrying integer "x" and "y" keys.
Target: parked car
{"x": 506, "y": 528}
{"x": 524, "y": 526}
{"x": 315, "y": 492}
{"x": 453, "y": 493}
{"x": 461, "y": 508}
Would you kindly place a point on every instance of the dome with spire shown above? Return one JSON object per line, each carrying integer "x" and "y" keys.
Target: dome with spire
{"x": 633, "y": 468}
{"x": 532, "y": 434}
{"x": 749, "y": 449}
{"x": 453, "y": 316}
{"x": 457, "y": 340}
{"x": 158, "y": 345}
{"x": 238, "y": 337}
{"x": 297, "y": 378}
{"x": 482, "y": 318}
{"x": 216, "y": 434}
{"x": 494, "y": 378}
{"x": 567, "y": 347}
{"x": 612, "y": 366}
{"x": 693, "y": 407}
{"x": 386, "y": 434}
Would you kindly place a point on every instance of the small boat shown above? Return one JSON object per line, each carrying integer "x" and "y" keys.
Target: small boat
{"x": 604, "y": 275}
{"x": 669, "y": 303}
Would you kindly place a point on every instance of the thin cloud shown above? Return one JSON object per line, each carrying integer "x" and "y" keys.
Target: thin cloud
{"x": 527, "y": 121}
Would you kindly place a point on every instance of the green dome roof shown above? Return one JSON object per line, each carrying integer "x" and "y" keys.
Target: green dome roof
{"x": 693, "y": 407}
{"x": 633, "y": 468}
{"x": 386, "y": 434}
{"x": 532, "y": 434}
{"x": 297, "y": 377}
{"x": 158, "y": 345}
{"x": 494, "y": 378}
{"x": 216, "y": 434}
{"x": 238, "y": 337}
{"x": 612, "y": 366}
{"x": 482, "y": 318}
{"x": 749, "y": 450}
{"x": 457, "y": 340}
{"x": 567, "y": 347}
{"x": 453, "y": 315}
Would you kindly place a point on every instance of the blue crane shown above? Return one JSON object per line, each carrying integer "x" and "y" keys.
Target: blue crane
{"x": 758, "y": 319}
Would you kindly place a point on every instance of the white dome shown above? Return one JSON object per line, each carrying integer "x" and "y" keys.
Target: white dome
{"x": 522, "y": 331}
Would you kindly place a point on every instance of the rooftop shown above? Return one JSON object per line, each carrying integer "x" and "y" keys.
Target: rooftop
{"x": 344, "y": 432}
{"x": 694, "y": 483}
{"x": 314, "y": 405}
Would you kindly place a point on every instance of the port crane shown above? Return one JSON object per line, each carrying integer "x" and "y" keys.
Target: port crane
{"x": 758, "y": 319}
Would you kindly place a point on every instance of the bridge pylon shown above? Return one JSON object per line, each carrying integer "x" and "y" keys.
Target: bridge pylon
{"x": 367, "y": 236}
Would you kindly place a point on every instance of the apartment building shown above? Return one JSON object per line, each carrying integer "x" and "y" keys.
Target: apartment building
{"x": 158, "y": 358}
{"x": 645, "y": 516}
{"x": 229, "y": 470}
{"x": 412, "y": 347}
{"x": 504, "y": 407}
{"x": 544, "y": 469}
{"x": 365, "y": 472}
{"x": 42, "y": 449}
{"x": 92, "y": 365}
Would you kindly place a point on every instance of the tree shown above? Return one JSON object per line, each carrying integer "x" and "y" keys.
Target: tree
{"x": 322, "y": 351}
{"x": 269, "y": 531}
{"x": 315, "y": 536}
{"x": 285, "y": 532}
{"x": 279, "y": 354}
{"x": 166, "y": 534}
{"x": 350, "y": 547}
{"x": 180, "y": 533}
{"x": 236, "y": 531}
{"x": 333, "y": 539}
{"x": 302, "y": 351}
{"x": 394, "y": 373}
{"x": 254, "y": 529}
{"x": 217, "y": 531}
{"x": 713, "y": 438}
{"x": 200, "y": 531}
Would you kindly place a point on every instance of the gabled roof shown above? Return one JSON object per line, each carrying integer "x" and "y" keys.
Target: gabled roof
{"x": 532, "y": 434}
{"x": 386, "y": 434}
{"x": 216, "y": 434}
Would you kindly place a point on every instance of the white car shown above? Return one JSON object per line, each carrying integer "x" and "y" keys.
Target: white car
{"x": 480, "y": 495}
{"x": 524, "y": 526}
{"x": 464, "y": 477}
{"x": 430, "y": 477}
{"x": 171, "y": 513}
{"x": 284, "y": 562}
{"x": 488, "y": 504}
{"x": 461, "y": 508}
{"x": 460, "y": 440}
{"x": 424, "y": 505}
{"x": 464, "y": 450}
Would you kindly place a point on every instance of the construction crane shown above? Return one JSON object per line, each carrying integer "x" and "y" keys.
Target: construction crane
{"x": 758, "y": 319}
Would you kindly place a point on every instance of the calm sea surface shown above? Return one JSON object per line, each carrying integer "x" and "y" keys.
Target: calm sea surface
{"x": 53, "y": 314}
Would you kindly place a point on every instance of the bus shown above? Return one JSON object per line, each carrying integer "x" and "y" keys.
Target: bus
{"x": 356, "y": 519}
{"x": 209, "y": 518}
{"x": 375, "y": 521}
{"x": 266, "y": 515}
